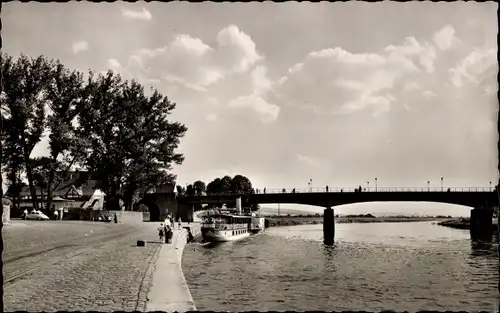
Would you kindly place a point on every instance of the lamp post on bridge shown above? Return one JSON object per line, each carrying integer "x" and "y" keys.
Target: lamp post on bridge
{"x": 368, "y": 188}
{"x": 490, "y": 187}
{"x": 310, "y": 185}
{"x": 429, "y": 185}
{"x": 375, "y": 184}
{"x": 441, "y": 183}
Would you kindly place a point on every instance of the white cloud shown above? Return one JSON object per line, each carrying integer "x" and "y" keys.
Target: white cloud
{"x": 260, "y": 80}
{"x": 427, "y": 95}
{"x": 267, "y": 112}
{"x": 412, "y": 48}
{"x": 305, "y": 159}
{"x": 445, "y": 37}
{"x": 411, "y": 86}
{"x": 192, "y": 63}
{"x": 113, "y": 63}
{"x": 137, "y": 15}
{"x": 346, "y": 82}
{"x": 212, "y": 117}
{"x": 212, "y": 100}
{"x": 80, "y": 46}
{"x": 473, "y": 67}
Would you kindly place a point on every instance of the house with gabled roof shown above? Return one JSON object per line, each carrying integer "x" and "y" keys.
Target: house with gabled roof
{"x": 73, "y": 191}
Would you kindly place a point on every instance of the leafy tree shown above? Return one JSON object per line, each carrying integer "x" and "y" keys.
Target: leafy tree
{"x": 241, "y": 185}
{"x": 199, "y": 187}
{"x": 66, "y": 94}
{"x": 180, "y": 190}
{"x": 190, "y": 191}
{"x": 214, "y": 187}
{"x": 132, "y": 140}
{"x": 225, "y": 184}
{"x": 41, "y": 172}
{"x": 24, "y": 85}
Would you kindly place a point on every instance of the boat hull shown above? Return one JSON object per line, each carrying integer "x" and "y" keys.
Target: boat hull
{"x": 212, "y": 235}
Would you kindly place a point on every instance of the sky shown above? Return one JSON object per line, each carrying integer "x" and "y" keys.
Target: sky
{"x": 283, "y": 93}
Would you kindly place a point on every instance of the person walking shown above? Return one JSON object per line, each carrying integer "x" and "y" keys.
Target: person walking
{"x": 56, "y": 215}
{"x": 161, "y": 232}
{"x": 168, "y": 233}
{"x": 179, "y": 222}
{"x": 25, "y": 213}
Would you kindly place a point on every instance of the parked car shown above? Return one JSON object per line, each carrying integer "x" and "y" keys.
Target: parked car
{"x": 36, "y": 215}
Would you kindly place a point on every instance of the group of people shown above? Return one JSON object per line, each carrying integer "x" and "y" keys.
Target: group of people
{"x": 165, "y": 231}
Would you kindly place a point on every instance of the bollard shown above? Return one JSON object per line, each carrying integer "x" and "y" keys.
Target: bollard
{"x": 141, "y": 243}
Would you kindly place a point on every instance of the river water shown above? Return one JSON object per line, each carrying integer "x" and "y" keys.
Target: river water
{"x": 377, "y": 266}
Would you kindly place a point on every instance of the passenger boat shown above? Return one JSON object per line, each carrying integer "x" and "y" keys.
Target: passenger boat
{"x": 225, "y": 226}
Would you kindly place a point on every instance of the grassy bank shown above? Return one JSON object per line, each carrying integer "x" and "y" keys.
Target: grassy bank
{"x": 459, "y": 223}
{"x": 294, "y": 220}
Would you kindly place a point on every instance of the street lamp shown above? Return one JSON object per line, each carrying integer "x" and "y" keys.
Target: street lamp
{"x": 368, "y": 183}
{"x": 429, "y": 185}
{"x": 490, "y": 187}
{"x": 441, "y": 183}
{"x": 375, "y": 184}
{"x": 310, "y": 185}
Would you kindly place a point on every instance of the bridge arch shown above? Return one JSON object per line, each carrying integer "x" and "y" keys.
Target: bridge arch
{"x": 153, "y": 208}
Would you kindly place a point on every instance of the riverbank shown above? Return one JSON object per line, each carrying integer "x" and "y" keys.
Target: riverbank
{"x": 461, "y": 223}
{"x": 306, "y": 220}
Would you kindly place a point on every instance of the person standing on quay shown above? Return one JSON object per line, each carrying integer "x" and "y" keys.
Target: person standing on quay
{"x": 25, "y": 213}
{"x": 168, "y": 233}
{"x": 161, "y": 231}
{"x": 179, "y": 221}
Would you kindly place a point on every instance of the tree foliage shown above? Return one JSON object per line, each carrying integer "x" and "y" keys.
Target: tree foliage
{"x": 108, "y": 126}
{"x": 199, "y": 187}
{"x": 190, "y": 190}
{"x": 24, "y": 97}
{"x": 67, "y": 94}
{"x": 226, "y": 185}
{"x": 132, "y": 140}
{"x": 238, "y": 184}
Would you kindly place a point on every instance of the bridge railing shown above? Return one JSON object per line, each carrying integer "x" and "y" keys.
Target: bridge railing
{"x": 364, "y": 189}
{"x": 375, "y": 189}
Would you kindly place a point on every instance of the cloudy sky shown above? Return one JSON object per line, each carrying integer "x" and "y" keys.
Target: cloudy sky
{"x": 339, "y": 93}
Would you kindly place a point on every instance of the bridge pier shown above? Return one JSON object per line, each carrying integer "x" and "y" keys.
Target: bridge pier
{"x": 328, "y": 226}
{"x": 481, "y": 226}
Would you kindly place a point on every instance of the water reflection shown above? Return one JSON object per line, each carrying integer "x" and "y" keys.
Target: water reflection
{"x": 410, "y": 266}
{"x": 483, "y": 248}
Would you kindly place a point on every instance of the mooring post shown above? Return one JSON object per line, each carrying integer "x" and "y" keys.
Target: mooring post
{"x": 328, "y": 226}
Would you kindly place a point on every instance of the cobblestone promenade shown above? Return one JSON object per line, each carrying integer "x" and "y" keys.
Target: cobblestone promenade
{"x": 77, "y": 266}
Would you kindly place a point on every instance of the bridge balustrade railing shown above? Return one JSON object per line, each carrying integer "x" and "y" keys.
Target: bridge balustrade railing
{"x": 376, "y": 189}
{"x": 366, "y": 189}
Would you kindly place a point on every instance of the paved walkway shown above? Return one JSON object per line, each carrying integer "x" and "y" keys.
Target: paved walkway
{"x": 169, "y": 290}
{"x": 58, "y": 266}
{"x": 87, "y": 266}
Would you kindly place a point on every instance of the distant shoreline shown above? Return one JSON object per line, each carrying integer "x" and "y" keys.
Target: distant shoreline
{"x": 293, "y": 220}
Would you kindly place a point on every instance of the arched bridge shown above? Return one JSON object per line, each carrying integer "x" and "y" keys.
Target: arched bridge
{"x": 467, "y": 196}
{"x": 482, "y": 200}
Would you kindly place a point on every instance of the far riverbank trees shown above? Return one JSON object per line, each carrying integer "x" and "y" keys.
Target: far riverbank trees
{"x": 102, "y": 124}
{"x": 238, "y": 184}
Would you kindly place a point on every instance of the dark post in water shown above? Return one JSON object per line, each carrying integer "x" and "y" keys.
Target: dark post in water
{"x": 481, "y": 226}
{"x": 328, "y": 226}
